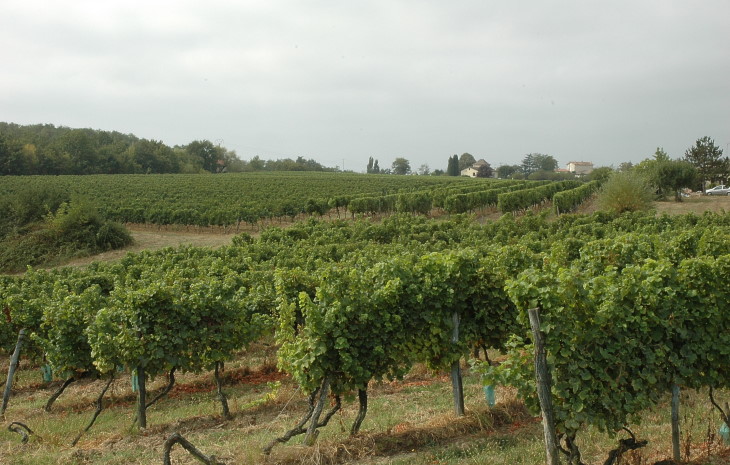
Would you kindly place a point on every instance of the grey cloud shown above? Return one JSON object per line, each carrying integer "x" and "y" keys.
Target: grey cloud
{"x": 606, "y": 82}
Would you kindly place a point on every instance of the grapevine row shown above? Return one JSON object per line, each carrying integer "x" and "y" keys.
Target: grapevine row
{"x": 329, "y": 284}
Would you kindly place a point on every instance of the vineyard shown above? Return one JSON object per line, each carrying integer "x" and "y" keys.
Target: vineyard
{"x": 236, "y": 202}
{"x": 352, "y": 311}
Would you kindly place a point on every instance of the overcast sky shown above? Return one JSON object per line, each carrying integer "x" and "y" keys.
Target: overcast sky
{"x": 341, "y": 81}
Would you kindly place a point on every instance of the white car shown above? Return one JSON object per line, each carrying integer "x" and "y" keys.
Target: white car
{"x": 718, "y": 190}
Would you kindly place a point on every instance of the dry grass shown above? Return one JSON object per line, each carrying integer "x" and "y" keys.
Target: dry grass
{"x": 404, "y": 416}
{"x": 404, "y": 438}
{"x": 151, "y": 239}
{"x": 695, "y": 204}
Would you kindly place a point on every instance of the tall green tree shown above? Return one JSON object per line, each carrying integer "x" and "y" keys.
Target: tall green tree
{"x": 661, "y": 155}
{"x": 369, "y": 168}
{"x": 453, "y": 167}
{"x": 401, "y": 166}
{"x": 154, "y": 157}
{"x": 505, "y": 171}
{"x": 667, "y": 176}
{"x": 538, "y": 162}
{"x": 600, "y": 174}
{"x": 466, "y": 160}
{"x": 80, "y": 147}
{"x": 208, "y": 154}
{"x": 256, "y": 163}
{"x": 674, "y": 175}
{"x": 625, "y": 166}
{"x": 485, "y": 171}
{"x": 707, "y": 158}
{"x": 11, "y": 161}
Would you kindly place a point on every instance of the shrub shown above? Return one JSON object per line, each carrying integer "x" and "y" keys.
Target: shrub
{"x": 74, "y": 229}
{"x": 624, "y": 192}
{"x": 32, "y": 204}
{"x": 112, "y": 236}
{"x": 76, "y": 223}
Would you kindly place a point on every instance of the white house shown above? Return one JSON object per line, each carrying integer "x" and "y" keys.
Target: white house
{"x": 473, "y": 169}
{"x": 580, "y": 167}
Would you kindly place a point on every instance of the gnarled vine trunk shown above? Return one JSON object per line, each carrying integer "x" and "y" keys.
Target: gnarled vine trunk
{"x": 221, "y": 394}
{"x": 60, "y": 390}
{"x": 362, "y": 396}
{"x": 14, "y": 362}
{"x": 99, "y": 408}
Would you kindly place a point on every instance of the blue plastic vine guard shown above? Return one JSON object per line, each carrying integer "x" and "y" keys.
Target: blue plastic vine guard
{"x": 490, "y": 395}
{"x": 135, "y": 381}
{"x": 725, "y": 433}
{"x": 47, "y": 373}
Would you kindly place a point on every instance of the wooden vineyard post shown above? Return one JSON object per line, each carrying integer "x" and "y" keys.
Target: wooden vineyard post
{"x": 544, "y": 382}
{"x": 456, "y": 382}
{"x": 142, "y": 398}
{"x": 675, "y": 423}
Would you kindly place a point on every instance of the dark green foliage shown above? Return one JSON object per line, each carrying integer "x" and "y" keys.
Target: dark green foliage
{"x": 569, "y": 200}
{"x": 520, "y": 200}
{"x": 667, "y": 176}
{"x": 538, "y": 162}
{"x": 600, "y": 174}
{"x": 28, "y": 205}
{"x": 111, "y": 235}
{"x": 506, "y": 171}
{"x": 674, "y": 175}
{"x": 11, "y": 157}
{"x": 707, "y": 158}
{"x": 485, "y": 171}
{"x": 466, "y": 160}
{"x": 42, "y": 149}
{"x": 453, "y": 166}
{"x": 71, "y": 229}
{"x": 401, "y": 166}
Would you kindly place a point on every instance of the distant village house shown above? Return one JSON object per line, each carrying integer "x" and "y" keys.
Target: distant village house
{"x": 580, "y": 168}
{"x": 473, "y": 169}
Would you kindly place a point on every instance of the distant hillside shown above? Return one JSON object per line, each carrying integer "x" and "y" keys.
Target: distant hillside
{"x": 40, "y": 149}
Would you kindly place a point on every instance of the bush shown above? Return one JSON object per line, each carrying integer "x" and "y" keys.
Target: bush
{"x": 626, "y": 192}
{"x": 20, "y": 210}
{"x": 112, "y": 236}
{"x": 76, "y": 223}
{"x": 74, "y": 229}
{"x": 32, "y": 204}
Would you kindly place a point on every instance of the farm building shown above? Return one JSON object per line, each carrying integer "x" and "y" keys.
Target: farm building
{"x": 580, "y": 167}
{"x": 473, "y": 169}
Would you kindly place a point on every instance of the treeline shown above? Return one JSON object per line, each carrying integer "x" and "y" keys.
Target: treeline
{"x": 44, "y": 149}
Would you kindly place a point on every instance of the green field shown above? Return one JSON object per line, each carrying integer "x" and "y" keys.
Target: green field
{"x": 632, "y": 304}
{"x": 213, "y": 199}
{"x": 238, "y": 200}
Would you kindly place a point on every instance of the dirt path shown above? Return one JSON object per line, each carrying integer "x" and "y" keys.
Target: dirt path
{"x": 145, "y": 239}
